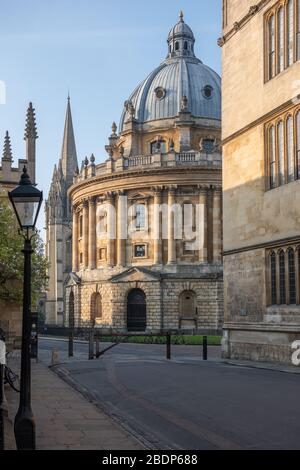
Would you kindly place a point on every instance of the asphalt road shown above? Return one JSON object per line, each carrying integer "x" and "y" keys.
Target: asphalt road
{"x": 187, "y": 403}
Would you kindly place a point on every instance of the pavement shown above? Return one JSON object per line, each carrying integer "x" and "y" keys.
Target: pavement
{"x": 65, "y": 420}
{"x": 134, "y": 398}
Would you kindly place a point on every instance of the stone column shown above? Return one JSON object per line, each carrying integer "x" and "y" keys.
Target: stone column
{"x": 171, "y": 226}
{"x": 85, "y": 234}
{"x": 157, "y": 236}
{"x": 92, "y": 233}
{"x": 217, "y": 226}
{"x": 75, "y": 240}
{"x": 203, "y": 225}
{"x": 122, "y": 228}
{"x": 110, "y": 230}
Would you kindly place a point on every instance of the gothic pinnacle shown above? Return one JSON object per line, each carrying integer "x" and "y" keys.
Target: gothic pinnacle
{"x": 7, "y": 153}
{"x": 30, "y": 129}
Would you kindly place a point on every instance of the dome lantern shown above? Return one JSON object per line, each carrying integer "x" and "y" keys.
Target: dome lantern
{"x": 181, "y": 40}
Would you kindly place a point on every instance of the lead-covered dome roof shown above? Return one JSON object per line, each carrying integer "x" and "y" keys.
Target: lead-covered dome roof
{"x": 182, "y": 74}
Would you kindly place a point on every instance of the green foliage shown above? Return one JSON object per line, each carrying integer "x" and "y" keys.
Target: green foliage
{"x": 188, "y": 340}
{"x": 12, "y": 259}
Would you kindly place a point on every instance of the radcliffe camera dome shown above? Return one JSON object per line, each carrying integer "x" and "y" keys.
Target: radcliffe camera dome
{"x": 182, "y": 74}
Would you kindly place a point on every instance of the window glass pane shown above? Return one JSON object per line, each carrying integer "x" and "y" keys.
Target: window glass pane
{"x": 140, "y": 216}
{"x": 292, "y": 279}
{"x": 290, "y": 149}
{"x": 273, "y": 279}
{"x": 282, "y": 278}
{"x": 139, "y": 251}
{"x": 281, "y": 152}
{"x": 281, "y": 40}
{"x": 290, "y": 32}
{"x": 272, "y": 47}
{"x": 272, "y": 157}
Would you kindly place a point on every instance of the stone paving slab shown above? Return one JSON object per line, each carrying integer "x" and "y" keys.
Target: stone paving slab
{"x": 65, "y": 419}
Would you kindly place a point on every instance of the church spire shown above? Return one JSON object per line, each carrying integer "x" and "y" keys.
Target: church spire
{"x": 68, "y": 153}
{"x": 7, "y": 153}
{"x": 30, "y": 127}
{"x": 30, "y": 138}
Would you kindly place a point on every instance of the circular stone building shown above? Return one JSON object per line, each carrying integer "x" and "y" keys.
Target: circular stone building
{"x": 147, "y": 230}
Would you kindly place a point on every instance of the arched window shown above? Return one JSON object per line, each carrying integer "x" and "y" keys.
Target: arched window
{"x": 185, "y": 45}
{"x": 176, "y": 46}
{"x": 96, "y": 307}
{"x": 298, "y": 29}
{"x": 298, "y": 143}
{"x": 273, "y": 279}
{"x": 290, "y": 148}
{"x": 281, "y": 152}
{"x": 292, "y": 277}
{"x": 159, "y": 146}
{"x": 271, "y": 33}
{"x": 290, "y": 32}
{"x": 280, "y": 23}
{"x": 140, "y": 217}
{"x": 272, "y": 157}
{"x": 170, "y": 48}
{"x": 282, "y": 277}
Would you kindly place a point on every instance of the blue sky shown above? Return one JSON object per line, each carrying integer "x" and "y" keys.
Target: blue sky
{"x": 99, "y": 50}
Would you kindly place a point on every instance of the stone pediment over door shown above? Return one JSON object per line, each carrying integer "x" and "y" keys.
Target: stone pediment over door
{"x": 136, "y": 274}
{"x": 72, "y": 280}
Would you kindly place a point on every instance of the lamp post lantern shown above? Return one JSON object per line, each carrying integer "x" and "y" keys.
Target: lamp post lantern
{"x": 26, "y": 200}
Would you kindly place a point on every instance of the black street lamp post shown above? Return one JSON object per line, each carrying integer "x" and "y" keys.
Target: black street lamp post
{"x": 26, "y": 201}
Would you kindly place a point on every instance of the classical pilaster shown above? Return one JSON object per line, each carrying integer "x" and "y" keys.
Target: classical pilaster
{"x": 217, "y": 226}
{"x": 157, "y": 235}
{"x": 171, "y": 226}
{"x": 110, "y": 201}
{"x": 85, "y": 234}
{"x": 92, "y": 233}
{"x": 203, "y": 225}
{"x": 122, "y": 228}
{"x": 75, "y": 240}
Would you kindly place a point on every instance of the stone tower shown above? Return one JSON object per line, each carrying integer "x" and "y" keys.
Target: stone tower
{"x": 58, "y": 228}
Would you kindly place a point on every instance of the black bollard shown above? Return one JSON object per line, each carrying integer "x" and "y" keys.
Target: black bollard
{"x": 168, "y": 346}
{"x": 97, "y": 346}
{"x": 71, "y": 343}
{"x": 91, "y": 345}
{"x": 204, "y": 348}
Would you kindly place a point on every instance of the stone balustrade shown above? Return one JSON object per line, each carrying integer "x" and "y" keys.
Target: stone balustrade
{"x": 168, "y": 160}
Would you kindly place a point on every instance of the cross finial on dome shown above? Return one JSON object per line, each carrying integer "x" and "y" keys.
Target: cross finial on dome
{"x": 181, "y": 15}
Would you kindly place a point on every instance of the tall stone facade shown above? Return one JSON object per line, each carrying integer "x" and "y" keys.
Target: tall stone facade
{"x": 164, "y": 162}
{"x": 10, "y": 175}
{"x": 261, "y": 187}
{"x": 58, "y": 225}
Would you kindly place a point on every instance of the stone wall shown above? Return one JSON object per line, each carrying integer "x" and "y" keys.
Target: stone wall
{"x": 162, "y": 300}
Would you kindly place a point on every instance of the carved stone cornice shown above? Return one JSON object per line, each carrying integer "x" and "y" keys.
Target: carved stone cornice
{"x": 239, "y": 24}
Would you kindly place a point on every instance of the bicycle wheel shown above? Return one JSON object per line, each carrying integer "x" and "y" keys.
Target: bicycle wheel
{"x": 12, "y": 379}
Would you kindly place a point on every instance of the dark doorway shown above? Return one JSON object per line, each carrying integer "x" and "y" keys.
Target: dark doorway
{"x": 136, "y": 311}
{"x": 71, "y": 311}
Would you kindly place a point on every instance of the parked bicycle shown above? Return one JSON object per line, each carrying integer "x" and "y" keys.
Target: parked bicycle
{"x": 11, "y": 378}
